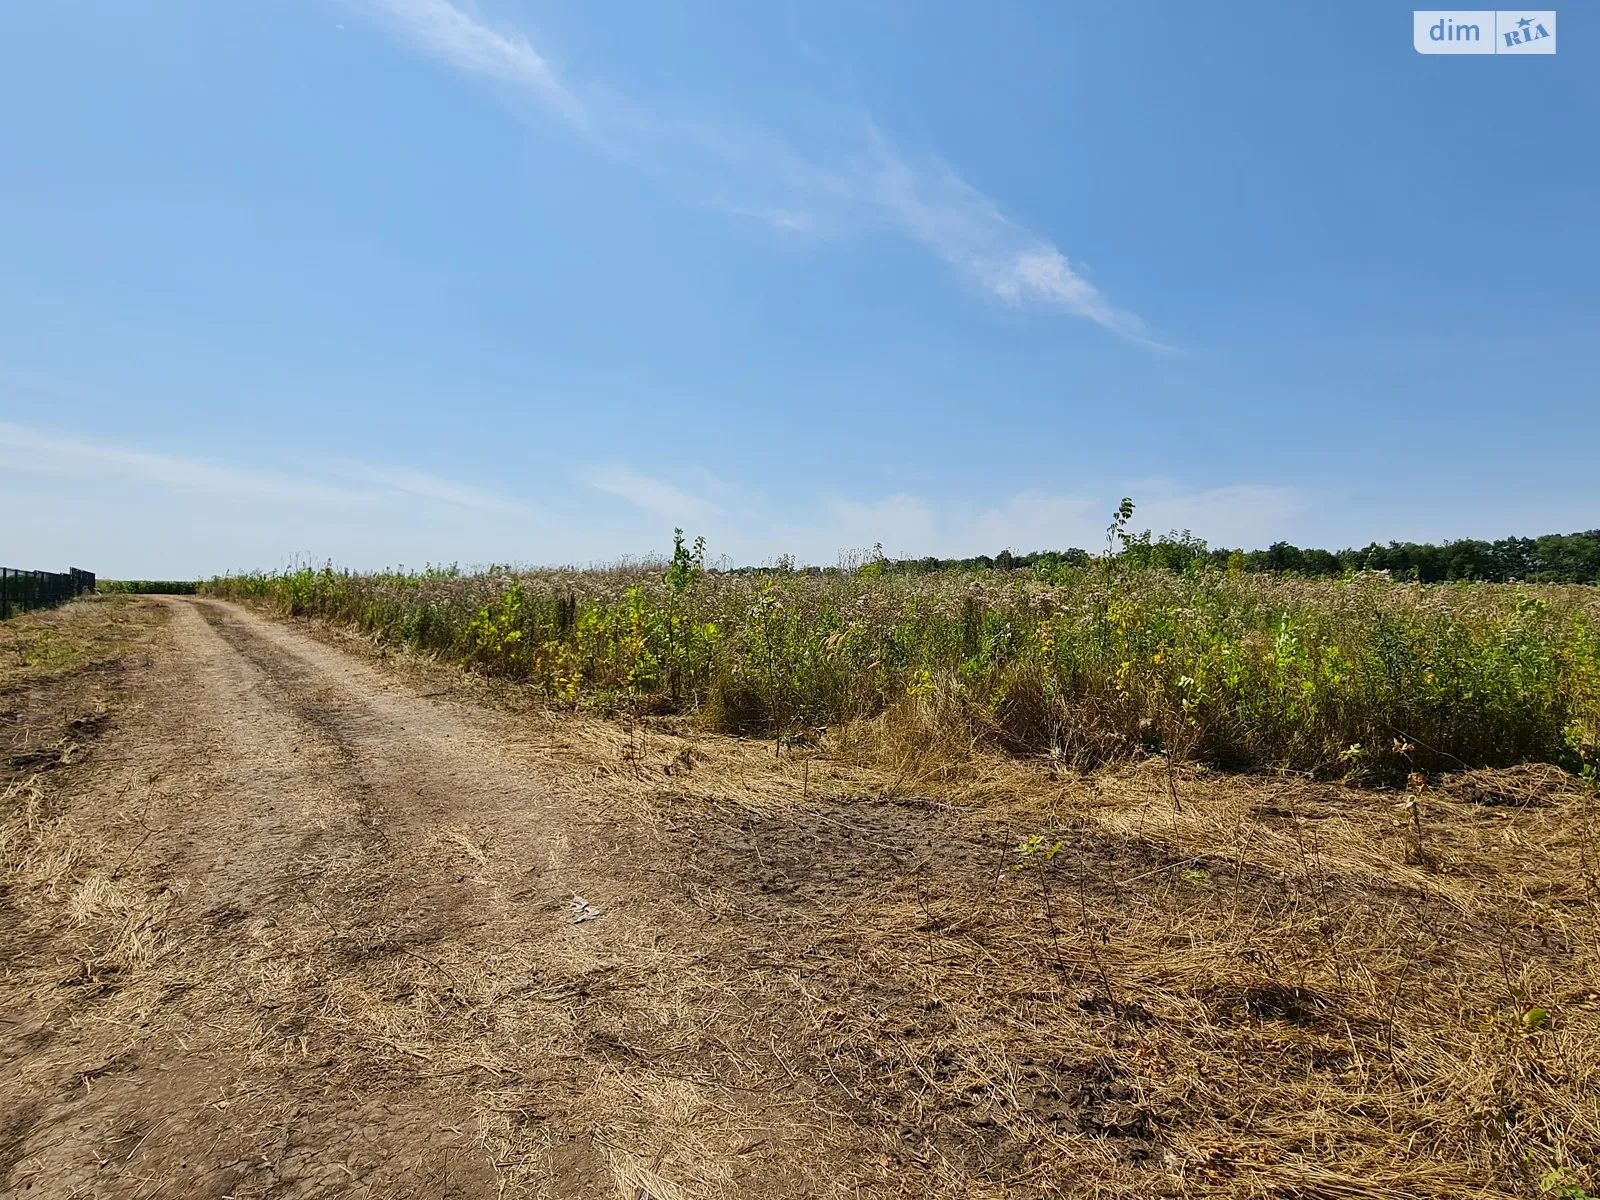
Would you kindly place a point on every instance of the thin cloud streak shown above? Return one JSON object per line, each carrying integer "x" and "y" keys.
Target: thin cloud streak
{"x": 428, "y": 487}
{"x": 654, "y": 496}
{"x": 448, "y": 33}
{"x": 966, "y": 229}
{"x": 755, "y": 175}
{"x": 24, "y": 449}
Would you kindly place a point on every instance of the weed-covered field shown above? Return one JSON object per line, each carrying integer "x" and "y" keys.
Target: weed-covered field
{"x": 1358, "y": 677}
{"x": 147, "y": 587}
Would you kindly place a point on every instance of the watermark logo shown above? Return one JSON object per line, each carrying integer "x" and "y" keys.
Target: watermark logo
{"x": 1525, "y": 33}
{"x": 1484, "y": 31}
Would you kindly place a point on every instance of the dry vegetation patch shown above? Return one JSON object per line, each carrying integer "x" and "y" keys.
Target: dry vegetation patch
{"x": 63, "y": 675}
{"x": 1189, "y": 1001}
{"x": 863, "y": 962}
{"x": 67, "y": 907}
{"x": 990, "y": 976}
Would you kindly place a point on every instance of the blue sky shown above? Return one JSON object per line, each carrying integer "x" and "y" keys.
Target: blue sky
{"x": 396, "y": 281}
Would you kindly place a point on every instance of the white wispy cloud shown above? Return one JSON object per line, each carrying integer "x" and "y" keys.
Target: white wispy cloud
{"x": 844, "y": 524}
{"x": 742, "y": 525}
{"x": 30, "y": 450}
{"x": 861, "y": 181}
{"x": 1248, "y": 515}
{"x": 135, "y": 512}
{"x": 25, "y": 449}
{"x": 1034, "y": 519}
{"x": 654, "y": 496}
{"x": 428, "y": 487}
{"x": 933, "y": 204}
{"x": 450, "y": 34}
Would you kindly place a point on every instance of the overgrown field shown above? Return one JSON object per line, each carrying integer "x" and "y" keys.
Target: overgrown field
{"x": 1358, "y": 678}
{"x": 147, "y": 587}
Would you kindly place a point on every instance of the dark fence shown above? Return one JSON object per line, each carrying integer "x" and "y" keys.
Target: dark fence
{"x": 24, "y": 590}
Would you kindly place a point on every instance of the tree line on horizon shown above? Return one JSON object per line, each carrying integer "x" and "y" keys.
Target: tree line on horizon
{"x": 1553, "y": 558}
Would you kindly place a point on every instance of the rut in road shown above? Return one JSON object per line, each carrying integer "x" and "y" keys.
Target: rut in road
{"x": 363, "y": 972}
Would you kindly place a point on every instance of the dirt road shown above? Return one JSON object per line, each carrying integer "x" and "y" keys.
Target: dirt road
{"x": 356, "y": 965}
{"x": 282, "y": 917}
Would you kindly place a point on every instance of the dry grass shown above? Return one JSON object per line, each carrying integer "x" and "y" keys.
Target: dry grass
{"x": 817, "y": 976}
{"x": 1215, "y": 999}
{"x": 88, "y": 633}
{"x": 1217, "y": 985}
{"x": 59, "y": 670}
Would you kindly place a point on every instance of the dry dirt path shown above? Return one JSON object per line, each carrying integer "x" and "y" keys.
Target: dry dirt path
{"x": 362, "y": 973}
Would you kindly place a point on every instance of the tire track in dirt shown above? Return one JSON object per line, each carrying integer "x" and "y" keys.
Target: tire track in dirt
{"x": 366, "y": 980}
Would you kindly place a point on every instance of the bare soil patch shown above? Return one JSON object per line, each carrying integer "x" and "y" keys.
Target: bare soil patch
{"x": 283, "y": 915}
